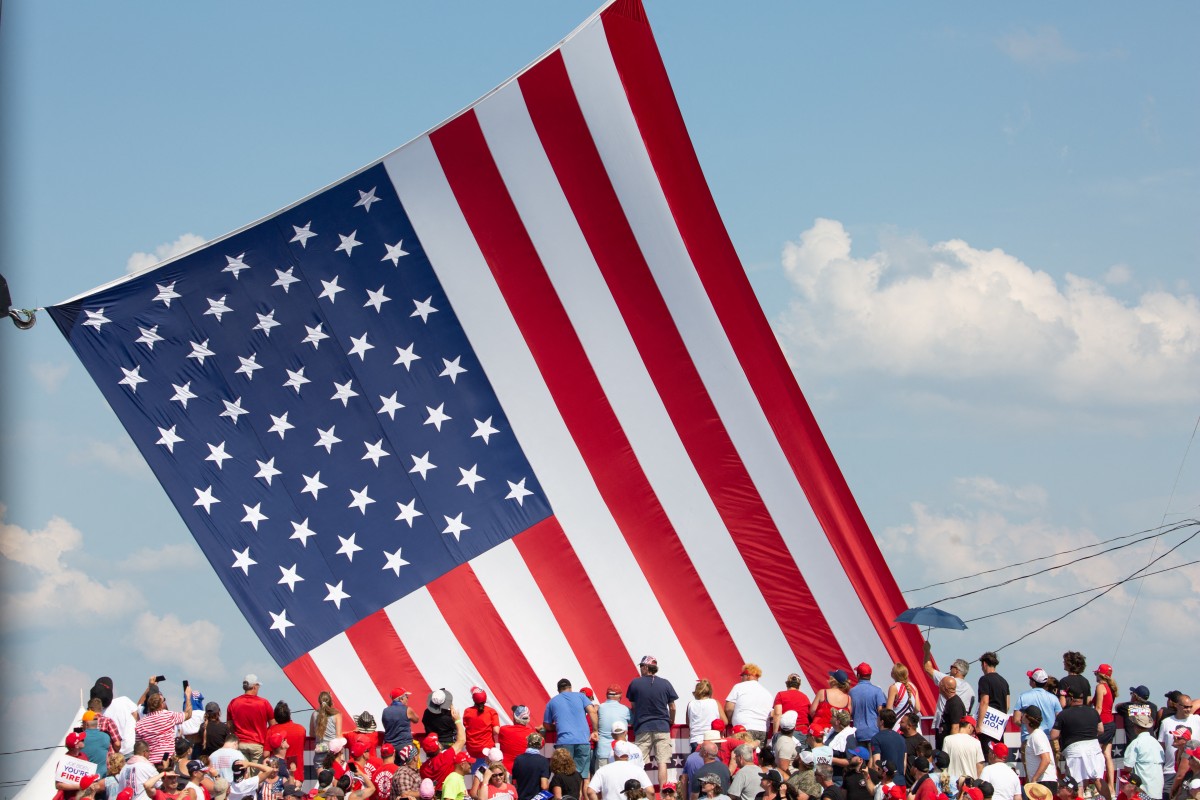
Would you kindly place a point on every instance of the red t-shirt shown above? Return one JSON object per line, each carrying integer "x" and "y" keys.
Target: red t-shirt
{"x": 926, "y": 791}
{"x": 795, "y": 700}
{"x": 438, "y": 767}
{"x": 294, "y": 733}
{"x": 479, "y": 726}
{"x": 248, "y": 715}
{"x": 371, "y": 740}
{"x": 513, "y": 742}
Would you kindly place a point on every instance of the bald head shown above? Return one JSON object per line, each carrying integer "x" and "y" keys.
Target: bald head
{"x": 948, "y": 686}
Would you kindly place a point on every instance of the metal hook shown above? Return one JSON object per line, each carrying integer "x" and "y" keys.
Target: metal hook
{"x": 23, "y": 318}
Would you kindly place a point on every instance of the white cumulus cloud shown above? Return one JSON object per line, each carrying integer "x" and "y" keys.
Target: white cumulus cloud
{"x": 953, "y": 313}
{"x": 192, "y": 646}
{"x": 140, "y": 261}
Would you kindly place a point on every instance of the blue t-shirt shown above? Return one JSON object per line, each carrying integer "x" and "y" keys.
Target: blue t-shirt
{"x": 95, "y": 749}
{"x": 607, "y": 713}
{"x": 567, "y": 712}
{"x": 651, "y": 697}
{"x": 866, "y": 698}
{"x": 891, "y": 748}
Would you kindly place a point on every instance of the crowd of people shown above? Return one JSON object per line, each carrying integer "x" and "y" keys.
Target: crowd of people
{"x": 852, "y": 739}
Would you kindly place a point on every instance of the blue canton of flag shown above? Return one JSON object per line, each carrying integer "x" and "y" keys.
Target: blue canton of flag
{"x": 311, "y": 404}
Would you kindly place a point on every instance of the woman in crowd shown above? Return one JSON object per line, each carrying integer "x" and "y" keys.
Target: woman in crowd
{"x": 565, "y": 780}
{"x": 1102, "y": 701}
{"x": 212, "y": 733}
{"x": 902, "y": 695}
{"x": 701, "y": 712}
{"x": 835, "y": 698}
{"x": 326, "y": 723}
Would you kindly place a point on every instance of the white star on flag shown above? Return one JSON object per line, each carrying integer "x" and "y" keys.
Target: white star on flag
{"x": 406, "y": 356}
{"x": 331, "y": 289}
{"x": 376, "y": 299}
{"x": 132, "y": 378}
{"x": 424, "y": 309}
{"x": 408, "y": 511}
{"x": 169, "y": 439}
{"x": 452, "y": 370}
{"x": 235, "y": 265}
{"x": 422, "y": 464}
{"x": 336, "y": 595}
{"x": 518, "y": 492}
{"x": 394, "y": 561}
{"x": 390, "y": 405}
{"x": 327, "y": 439}
{"x": 217, "y": 307}
{"x": 248, "y": 366}
{"x": 343, "y": 392}
{"x": 365, "y": 199}
{"x": 296, "y": 379}
{"x": 254, "y": 515}
{"x": 95, "y": 319}
{"x": 205, "y": 498}
{"x": 375, "y": 452}
{"x": 244, "y": 562}
{"x": 183, "y": 393}
{"x": 360, "y": 347}
{"x": 233, "y": 410}
{"x": 470, "y": 477}
{"x": 217, "y": 453}
{"x": 290, "y": 576}
{"x": 200, "y": 351}
{"x": 303, "y": 234}
{"x": 394, "y": 253}
{"x": 279, "y": 622}
{"x": 484, "y": 430}
{"x": 281, "y": 424}
{"x": 266, "y": 322}
{"x": 313, "y": 486}
{"x": 348, "y": 243}
{"x": 456, "y": 526}
{"x": 361, "y": 500}
{"x": 437, "y": 416}
{"x": 301, "y": 531}
{"x": 284, "y": 280}
{"x": 149, "y": 336}
{"x": 266, "y": 470}
{"x": 166, "y": 293}
{"x": 348, "y": 548}
{"x": 315, "y": 335}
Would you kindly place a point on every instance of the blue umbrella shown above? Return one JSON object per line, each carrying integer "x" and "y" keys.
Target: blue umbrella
{"x": 931, "y": 617}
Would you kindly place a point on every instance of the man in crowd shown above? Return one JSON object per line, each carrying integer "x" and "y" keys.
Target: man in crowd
{"x": 1038, "y": 755}
{"x": 293, "y": 732}
{"x": 993, "y": 694}
{"x": 248, "y": 715}
{"x": 567, "y": 715}
{"x": 1138, "y": 703}
{"x": 1005, "y": 783}
{"x": 792, "y": 699}
{"x": 137, "y": 770}
{"x": 74, "y": 743}
{"x": 397, "y": 720}
{"x": 749, "y": 703}
{"x": 1144, "y": 755}
{"x": 745, "y": 783}
{"x": 609, "y": 714}
{"x": 1175, "y": 730}
{"x": 653, "y": 700}
{"x": 1036, "y": 695}
{"x": 866, "y": 700}
{"x": 890, "y": 747}
{"x": 1074, "y": 663}
{"x": 609, "y": 781}
{"x": 406, "y": 780}
{"x": 951, "y": 709}
{"x": 710, "y": 763}
{"x": 966, "y": 754}
{"x": 829, "y": 790}
{"x": 455, "y": 786}
{"x": 97, "y": 745}
{"x": 531, "y": 769}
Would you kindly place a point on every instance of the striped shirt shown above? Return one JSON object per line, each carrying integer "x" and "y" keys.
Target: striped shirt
{"x": 158, "y": 730}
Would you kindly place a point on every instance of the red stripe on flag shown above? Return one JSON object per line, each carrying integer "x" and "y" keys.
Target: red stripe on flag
{"x": 573, "y": 601}
{"x": 308, "y": 680}
{"x": 497, "y": 227}
{"x": 385, "y": 657}
{"x": 564, "y": 135}
{"x": 648, "y": 89}
{"x": 485, "y": 639}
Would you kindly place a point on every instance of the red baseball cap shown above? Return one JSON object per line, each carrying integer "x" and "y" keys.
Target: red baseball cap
{"x": 275, "y": 740}
{"x": 357, "y": 748}
{"x": 430, "y": 743}
{"x": 614, "y": 688}
{"x": 1194, "y": 753}
{"x": 973, "y": 792}
{"x": 88, "y": 780}
{"x": 969, "y": 720}
{"x": 863, "y": 669}
{"x": 125, "y": 794}
{"x": 897, "y": 792}
{"x": 739, "y": 728}
{"x": 463, "y": 757}
{"x": 386, "y": 750}
{"x": 1104, "y": 669}
{"x": 668, "y": 787}
{"x": 587, "y": 690}
{"x": 478, "y": 695}
{"x": 817, "y": 729}
{"x": 399, "y": 692}
{"x": 74, "y": 739}
{"x": 1001, "y": 750}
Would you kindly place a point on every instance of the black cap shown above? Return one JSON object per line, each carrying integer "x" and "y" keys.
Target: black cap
{"x": 1067, "y": 782}
{"x": 632, "y": 784}
{"x": 920, "y": 764}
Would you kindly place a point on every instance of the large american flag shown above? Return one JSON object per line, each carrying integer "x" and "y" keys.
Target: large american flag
{"x": 498, "y": 409}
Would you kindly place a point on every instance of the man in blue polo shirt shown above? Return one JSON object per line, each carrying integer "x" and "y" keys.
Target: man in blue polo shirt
{"x": 653, "y": 701}
{"x": 567, "y": 715}
{"x": 867, "y": 700}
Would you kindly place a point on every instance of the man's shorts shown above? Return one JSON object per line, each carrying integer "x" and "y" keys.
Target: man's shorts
{"x": 1085, "y": 760}
{"x": 582, "y": 753}
{"x": 657, "y": 742}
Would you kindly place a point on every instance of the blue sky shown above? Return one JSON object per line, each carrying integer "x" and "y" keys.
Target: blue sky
{"x": 974, "y": 228}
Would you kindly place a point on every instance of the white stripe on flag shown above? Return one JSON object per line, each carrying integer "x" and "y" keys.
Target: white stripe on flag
{"x": 514, "y": 593}
{"x": 439, "y": 657}
{"x": 347, "y": 677}
{"x": 560, "y": 243}
{"x": 483, "y": 313}
{"x": 614, "y": 129}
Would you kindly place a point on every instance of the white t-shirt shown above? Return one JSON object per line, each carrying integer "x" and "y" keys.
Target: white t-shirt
{"x": 134, "y": 776}
{"x": 244, "y": 788}
{"x": 965, "y": 755}
{"x": 121, "y": 711}
{"x": 752, "y": 705}
{"x": 222, "y": 761}
{"x": 609, "y": 780}
{"x": 1167, "y": 739}
{"x": 1004, "y": 781}
{"x": 700, "y": 716}
{"x": 1037, "y": 744}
